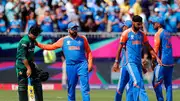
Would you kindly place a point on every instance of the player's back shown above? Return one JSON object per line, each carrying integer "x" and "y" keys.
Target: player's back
{"x": 165, "y": 50}
{"x": 74, "y": 49}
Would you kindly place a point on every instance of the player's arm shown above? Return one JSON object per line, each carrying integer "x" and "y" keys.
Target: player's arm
{"x": 151, "y": 50}
{"x": 23, "y": 50}
{"x": 53, "y": 46}
{"x": 156, "y": 42}
{"x": 89, "y": 54}
{"x": 123, "y": 40}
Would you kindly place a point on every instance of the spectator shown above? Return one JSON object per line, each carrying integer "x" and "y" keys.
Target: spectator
{"x": 98, "y": 7}
{"x": 145, "y": 5}
{"x": 69, "y": 7}
{"x": 90, "y": 25}
{"x": 155, "y": 14}
{"x": 41, "y": 11}
{"x": 84, "y": 11}
{"x": 137, "y": 8}
{"x": 100, "y": 21}
{"x": 56, "y": 3}
{"x": 125, "y": 7}
{"x": 62, "y": 19}
{"x": 47, "y": 22}
{"x": 176, "y": 9}
{"x": 114, "y": 22}
{"x": 11, "y": 8}
{"x": 23, "y": 14}
{"x": 30, "y": 6}
{"x": 171, "y": 21}
{"x": 15, "y": 25}
{"x": 110, "y": 9}
{"x": 1, "y": 7}
{"x": 31, "y": 21}
{"x": 2, "y": 23}
{"x": 163, "y": 7}
{"x": 74, "y": 17}
{"x": 127, "y": 16}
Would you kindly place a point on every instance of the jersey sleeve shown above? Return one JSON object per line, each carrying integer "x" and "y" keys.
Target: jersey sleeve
{"x": 23, "y": 47}
{"x": 145, "y": 39}
{"x": 156, "y": 42}
{"x": 88, "y": 51}
{"x": 124, "y": 37}
{"x": 53, "y": 46}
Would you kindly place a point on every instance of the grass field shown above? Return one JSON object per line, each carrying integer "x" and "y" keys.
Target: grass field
{"x": 96, "y": 95}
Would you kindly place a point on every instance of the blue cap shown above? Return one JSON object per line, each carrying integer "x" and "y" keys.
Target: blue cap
{"x": 159, "y": 20}
{"x": 127, "y": 23}
{"x": 121, "y": 25}
{"x": 72, "y": 25}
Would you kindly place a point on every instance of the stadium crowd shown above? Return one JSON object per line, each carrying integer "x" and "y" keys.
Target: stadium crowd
{"x": 91, "y": 15}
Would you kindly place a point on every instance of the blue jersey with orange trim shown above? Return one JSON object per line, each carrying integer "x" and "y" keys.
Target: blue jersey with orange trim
{"x": 163, "y": 46}
{"x": 75, "y": 50}
{"x": 134, "y": 42}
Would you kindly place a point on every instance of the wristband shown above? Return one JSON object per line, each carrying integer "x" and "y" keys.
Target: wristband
{"x": 116, "y": 61}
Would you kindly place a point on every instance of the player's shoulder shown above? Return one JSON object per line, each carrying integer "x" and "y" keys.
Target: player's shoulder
{"x": 158, "y": 33}
{"x": 65, "y": 37}
{"x": 25, "y": 39}
{"x": 127, "y": 31}
{"x": 83, "y": 37}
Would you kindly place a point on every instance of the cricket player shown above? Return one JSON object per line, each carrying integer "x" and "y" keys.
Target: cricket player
{"x": 134, "y": 39}
{"x": 75, "y": 48}
{"x": 124, "y": 76}
{"x": 25, "y": 66}
{"x": 163, "y": 47}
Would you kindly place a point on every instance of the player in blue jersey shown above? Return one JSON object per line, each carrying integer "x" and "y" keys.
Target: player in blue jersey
{"x": 75, "y": 48}
{"x": 163, "y": 48}
{"x": 124, "y": 76}
{"x": 134, "y": 39}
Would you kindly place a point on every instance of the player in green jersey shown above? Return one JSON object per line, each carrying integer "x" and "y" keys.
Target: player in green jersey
{"x": 25, "y": 66}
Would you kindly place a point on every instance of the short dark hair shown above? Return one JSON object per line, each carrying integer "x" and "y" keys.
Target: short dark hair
{"x": 137, "y": 18}
{"x": 35, "y": 30}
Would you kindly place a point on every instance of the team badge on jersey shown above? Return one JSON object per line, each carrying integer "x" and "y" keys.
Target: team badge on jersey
{"x": 79, "y": 42}
{"x": 132, "y": 36}
{"x": 68, "y": 42}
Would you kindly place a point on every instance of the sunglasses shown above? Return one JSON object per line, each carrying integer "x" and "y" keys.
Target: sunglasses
{"x": 74, "y": 28}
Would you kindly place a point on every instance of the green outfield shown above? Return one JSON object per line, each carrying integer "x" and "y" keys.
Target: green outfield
{"x": 96, "y": 95}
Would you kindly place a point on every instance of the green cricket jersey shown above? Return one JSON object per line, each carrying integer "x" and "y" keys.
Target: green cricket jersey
{"x": 25, "y": 50}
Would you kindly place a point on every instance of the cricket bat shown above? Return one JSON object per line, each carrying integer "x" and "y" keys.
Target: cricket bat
{"x": 31, "y": 96}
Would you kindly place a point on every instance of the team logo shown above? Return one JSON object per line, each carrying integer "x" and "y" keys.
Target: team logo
{"x": 79, "y": 42}
{"x": 132, "y": 36}
{"x": 68, "y": 42}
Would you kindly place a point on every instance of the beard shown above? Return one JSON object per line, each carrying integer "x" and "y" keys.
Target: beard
{"x": 74, "y": 34}
{"x": 136, "y": 28}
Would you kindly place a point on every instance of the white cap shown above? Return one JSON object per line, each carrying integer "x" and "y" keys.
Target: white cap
{"x": 156, "y": 9}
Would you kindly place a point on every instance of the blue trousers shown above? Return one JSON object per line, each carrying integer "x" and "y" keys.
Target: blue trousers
{"x": 161, "y": 74}
{"x": 124, "y": 81}
{"x": 135, "y": 72}
{"x": 75, "y": 72}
